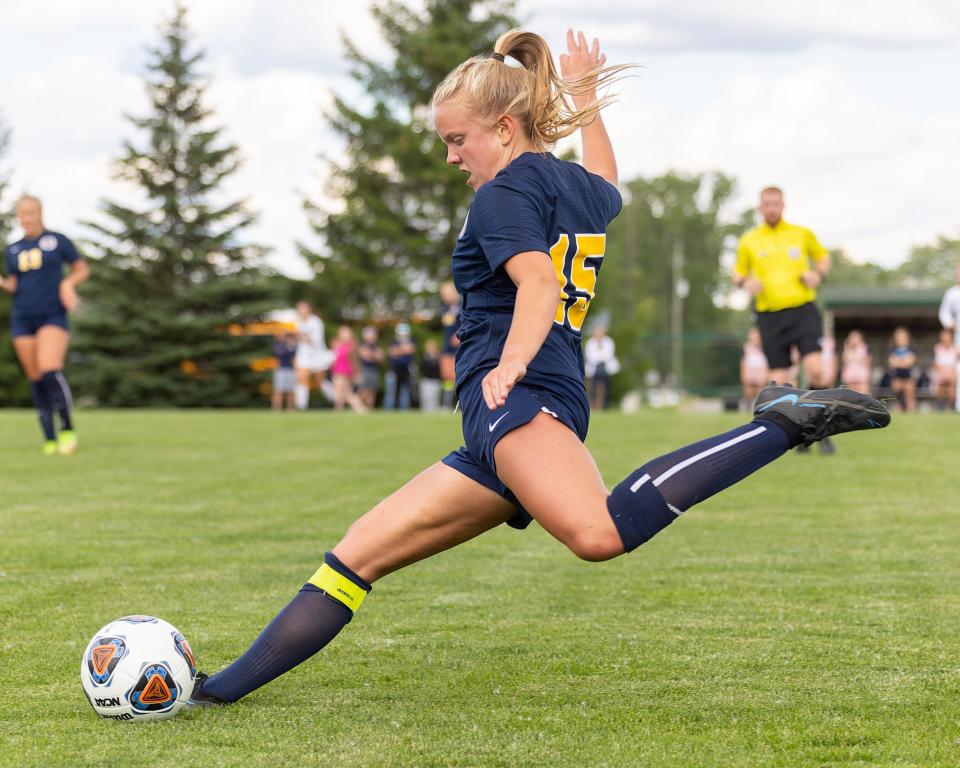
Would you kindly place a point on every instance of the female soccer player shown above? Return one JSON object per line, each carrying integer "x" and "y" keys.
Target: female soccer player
{"x": 526, "y": 265}
{"x": 42, "y": 298}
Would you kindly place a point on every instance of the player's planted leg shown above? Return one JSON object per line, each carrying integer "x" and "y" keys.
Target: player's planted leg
{"x": 44, "y": 416}
{"x": 435, "y": 511}
{"x": 323, "y": 607}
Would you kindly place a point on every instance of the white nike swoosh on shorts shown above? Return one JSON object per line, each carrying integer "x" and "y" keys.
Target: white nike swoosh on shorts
{"x": 493, "y": 426}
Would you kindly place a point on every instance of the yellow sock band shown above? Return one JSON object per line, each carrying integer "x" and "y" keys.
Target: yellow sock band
{"x": 338, "y": 586}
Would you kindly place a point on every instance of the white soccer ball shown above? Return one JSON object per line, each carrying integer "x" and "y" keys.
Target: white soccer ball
{"x": 138, "y": 668}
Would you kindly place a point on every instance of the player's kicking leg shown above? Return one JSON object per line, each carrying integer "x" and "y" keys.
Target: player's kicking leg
{"x": 435, "y": 511}
{"x": 566, "y": 496}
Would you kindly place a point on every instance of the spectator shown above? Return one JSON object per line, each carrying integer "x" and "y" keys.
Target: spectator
{"x": 754, "y": 371}
{"x": 371, "y": 357}
{"x": 313, "y": 359}
{"x": 902, "y": 360}
{"x": 950, "y": 319}
{"x": 600, "y": 363}
{"x": 945, "y": 357}
{"x": 828, "y": 356}
{"x": 284, "y": 375}
{"x": 401, "y": 354}
{"x": 450, "y": 320}
{"x": 855, "y": 361}
{"x": 430, "y": 382}
{"x": 345, "y": 370}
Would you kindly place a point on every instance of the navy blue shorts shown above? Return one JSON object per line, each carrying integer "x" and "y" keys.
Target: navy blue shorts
{"x": 483, "y": 429}
{"x": 21, "y": 325}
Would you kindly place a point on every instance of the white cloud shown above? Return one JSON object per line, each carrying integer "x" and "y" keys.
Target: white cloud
{"x": 864, "y": 175}
{"x": 851, "y": 115}
{"x": 684, "y": 25}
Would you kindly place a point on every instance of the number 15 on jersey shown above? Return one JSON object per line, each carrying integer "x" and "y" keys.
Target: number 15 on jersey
{"x": 576, "y": 265}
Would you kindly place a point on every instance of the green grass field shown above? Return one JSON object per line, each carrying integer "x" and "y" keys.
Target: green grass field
{"x": 807, "y": 617}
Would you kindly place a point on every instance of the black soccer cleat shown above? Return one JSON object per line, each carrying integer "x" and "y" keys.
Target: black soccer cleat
{"x": 820, "y": 413}
{"x": 200, "y": 699}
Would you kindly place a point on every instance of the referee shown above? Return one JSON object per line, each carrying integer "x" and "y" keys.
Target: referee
{"x": 782, "y": 264}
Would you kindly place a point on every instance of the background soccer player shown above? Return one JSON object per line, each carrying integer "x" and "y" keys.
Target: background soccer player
{"x": 42, "y": 299}
{"x": 526, "y": 264}
{"x": 782, "y": 264}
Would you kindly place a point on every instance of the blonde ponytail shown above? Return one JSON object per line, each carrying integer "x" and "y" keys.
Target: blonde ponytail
{"x": 535, "y": 93}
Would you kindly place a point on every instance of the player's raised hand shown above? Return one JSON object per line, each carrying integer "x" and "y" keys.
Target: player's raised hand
{"x": 581, "y": 57}
{"x": 497, "y": 384}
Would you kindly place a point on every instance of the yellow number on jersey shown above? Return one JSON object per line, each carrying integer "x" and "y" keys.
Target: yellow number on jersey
{"x": 577, "y": 277}
{"x": 29, "y": 260}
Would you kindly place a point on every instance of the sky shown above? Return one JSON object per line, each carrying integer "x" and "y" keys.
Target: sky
{"x": 849, "y": 106}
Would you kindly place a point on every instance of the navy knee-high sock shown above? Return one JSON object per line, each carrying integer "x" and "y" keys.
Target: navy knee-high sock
{"x": 311, "y": 620}
{"x": 660, "y": 491}
{"x": 59, "y": 396}
{"x": 44, "y": 411}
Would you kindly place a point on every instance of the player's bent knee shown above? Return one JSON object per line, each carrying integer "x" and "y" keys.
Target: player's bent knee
{"x": 595, "y": 545}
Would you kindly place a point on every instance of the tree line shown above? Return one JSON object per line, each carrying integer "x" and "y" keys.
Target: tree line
{"x": 172, "y": 277}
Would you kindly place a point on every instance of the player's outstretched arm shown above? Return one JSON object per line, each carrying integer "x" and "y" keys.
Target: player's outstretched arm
{"x": 598, "y": 156}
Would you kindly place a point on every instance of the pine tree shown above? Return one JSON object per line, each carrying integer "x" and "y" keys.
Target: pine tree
{"x": 13, "y": 385}
{"x": 172, "y": 278}
{"x": 402, "y": 206}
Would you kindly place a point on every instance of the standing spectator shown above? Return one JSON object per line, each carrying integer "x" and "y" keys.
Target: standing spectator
{"x": 754, "y": 371}
{"x": 284, "y": 375}
{"x": 855, "y": 361}
{"x": 313, "y": 359}
{"x": 450, "y": 320}
{"x": 345, "y": 370}
{"x": 401, "y": 353}
{"x": 371, "y": 356}
{"x": 945, "y": 356}
{"x": 781, "y": 265}
{"x": 599, "y": 364}
{"x": 950, "y": 319}
{"x": 430, "y": 383}
{"x": 828, "y": 353}
{"x": 903, "y": 358}
{"x": 42, "y": 299}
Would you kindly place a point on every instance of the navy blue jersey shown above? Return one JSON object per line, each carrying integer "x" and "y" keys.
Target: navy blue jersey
{"x": 37, "y": 264}
{"x": 284, "y": 351}
{"x": 537, "y": 203}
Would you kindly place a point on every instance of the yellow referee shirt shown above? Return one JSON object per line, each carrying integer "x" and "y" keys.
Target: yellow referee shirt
{"x": 777, "y": 256}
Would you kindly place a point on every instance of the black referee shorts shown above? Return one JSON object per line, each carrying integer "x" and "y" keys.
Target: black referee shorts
{"x": 799, "y": 327}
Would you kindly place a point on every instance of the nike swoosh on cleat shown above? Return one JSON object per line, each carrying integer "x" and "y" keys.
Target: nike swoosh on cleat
{"x": 812, "y": 405}
{"x": 792, "y": 399}
{"x": 493, "y": 426}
